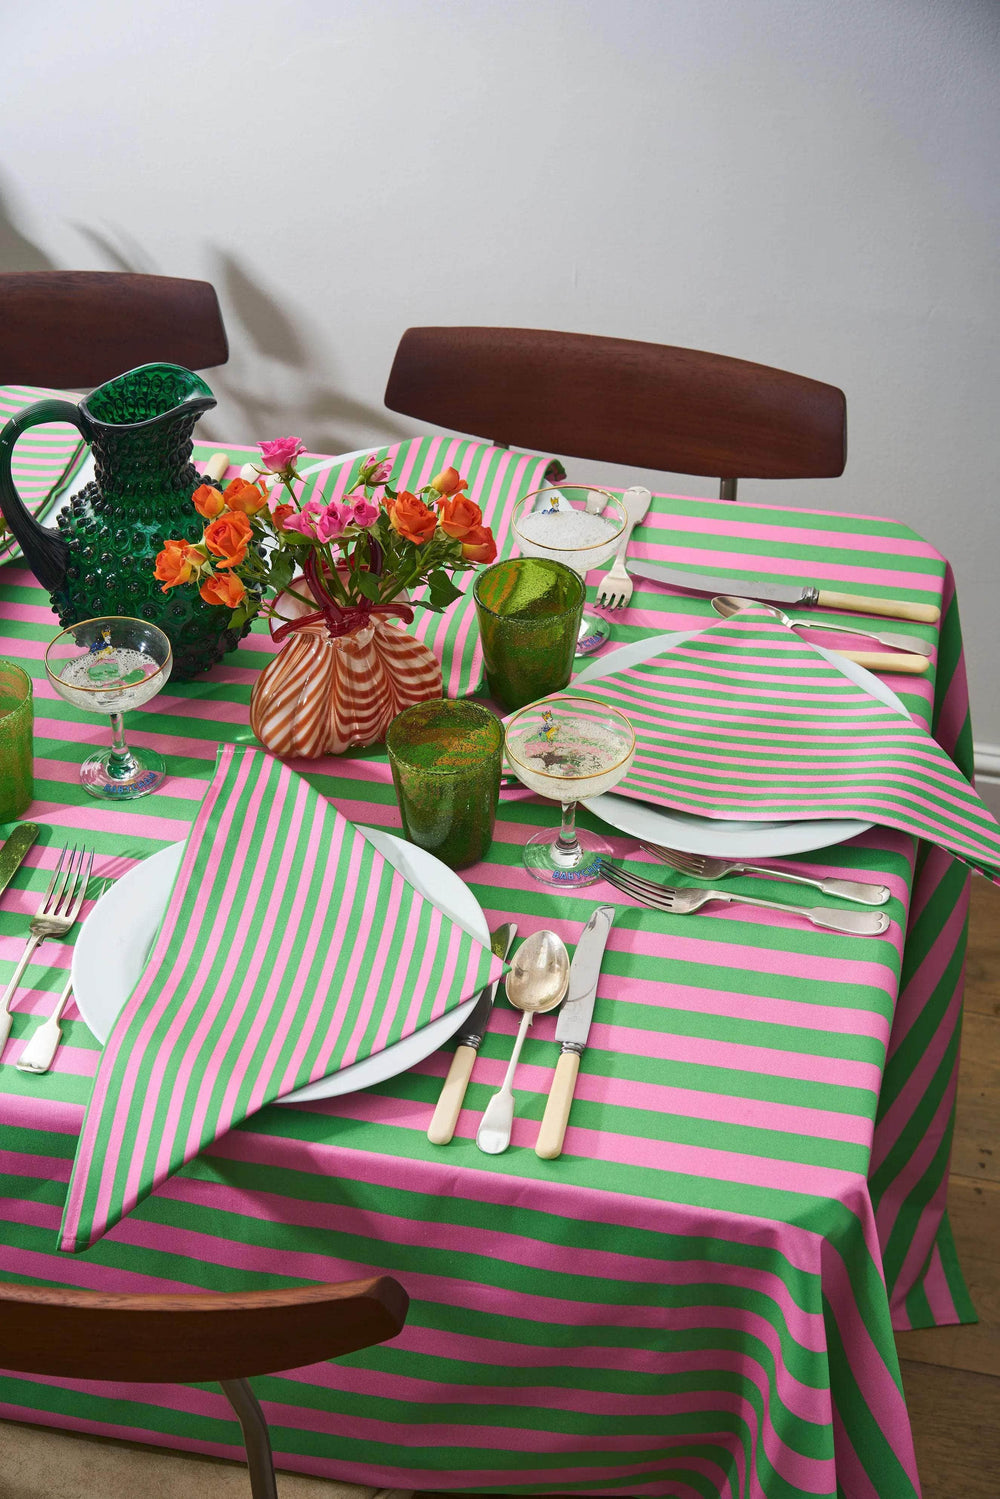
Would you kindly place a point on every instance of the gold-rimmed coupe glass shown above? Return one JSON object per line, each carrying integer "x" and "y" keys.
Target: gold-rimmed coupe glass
{"x": 568, "y": 748}
{"x": 109, "y": 665}
{"x": 579, "y": 525}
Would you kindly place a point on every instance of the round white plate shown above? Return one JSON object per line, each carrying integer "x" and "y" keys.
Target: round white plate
{"x": 114, "y": 941}
{"x": 713, "y": 835}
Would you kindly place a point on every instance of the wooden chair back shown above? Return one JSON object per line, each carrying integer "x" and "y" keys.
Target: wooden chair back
{"x": 76, "y": 329}
{"x": 192, "y": 1337}
{"x": 619, "y": 401}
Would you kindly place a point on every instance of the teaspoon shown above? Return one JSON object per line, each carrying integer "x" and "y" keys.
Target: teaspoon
{"x": 537, "y": 982}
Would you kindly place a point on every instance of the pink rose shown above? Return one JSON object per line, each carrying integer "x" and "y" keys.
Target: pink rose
{"x": 373, "y": 472}
{"x": 280, "y": 455}
{"x": 307, "y": 520}
{"x": 333, "y": 521}
{"x": 363, "y": 512}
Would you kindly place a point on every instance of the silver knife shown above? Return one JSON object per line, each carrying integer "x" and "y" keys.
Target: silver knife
{"x": 572, "y": 1030}
{"x": 802, "y": 594}
{"x": 449, "y": 1104}
{"x": 14, "y": 850}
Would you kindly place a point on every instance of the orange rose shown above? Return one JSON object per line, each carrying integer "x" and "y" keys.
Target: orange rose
{"x": 222, "y": 588}
{"x": 280, "y": 514}
{"x": 178, "y": 563}
{"x": 478, "y": 545}
{"x": 243, "y": 497}
{"x": 227, "y": 537}
{"x": 459, "y": 515}
{"x": 208, "y": 501}
{"x": 411, "y": 518}
{"x": 448, "y": 481}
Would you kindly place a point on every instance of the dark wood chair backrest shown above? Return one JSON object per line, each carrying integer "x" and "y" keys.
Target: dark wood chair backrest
{"x": 76, "y": 329}
{"x": 618, "y": 401}
{"x": 192, "y": 1338}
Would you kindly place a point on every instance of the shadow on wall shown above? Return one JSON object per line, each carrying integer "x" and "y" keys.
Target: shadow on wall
{"x": 17, "y": 252}
{"x": 274, "y": 382}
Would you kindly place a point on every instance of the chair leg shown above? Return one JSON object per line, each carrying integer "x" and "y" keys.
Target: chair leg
{"x": 727, "y": 489}
{"x": 256, "y": 1437}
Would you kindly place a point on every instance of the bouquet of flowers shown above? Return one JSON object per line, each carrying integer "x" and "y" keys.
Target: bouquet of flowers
{"x": 356, "y": 555}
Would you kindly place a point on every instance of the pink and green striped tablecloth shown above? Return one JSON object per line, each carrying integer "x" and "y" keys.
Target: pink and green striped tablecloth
{"x": 698, "y": 1297}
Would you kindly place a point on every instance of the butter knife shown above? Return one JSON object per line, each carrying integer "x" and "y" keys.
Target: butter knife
{"x": 803, "y": 594}
{"x": 449, "y": 1104}
{"x": 573, "y": 1029}
{"x": 14, "y": 850}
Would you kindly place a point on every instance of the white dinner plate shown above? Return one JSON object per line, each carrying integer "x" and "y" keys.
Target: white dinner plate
{"x": 111, "y": 950}
{"x": 716, "y": 836}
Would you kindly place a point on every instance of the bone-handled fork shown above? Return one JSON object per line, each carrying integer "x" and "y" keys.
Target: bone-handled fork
{"x": 701, "y": 867}
{"x": 684, "y": 902}
{"x": 616, "y": 586}
{"x": 59, "y": 908}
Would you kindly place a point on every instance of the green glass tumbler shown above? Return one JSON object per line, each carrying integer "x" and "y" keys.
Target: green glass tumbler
{"x": 17, "y": 785}
{"x": 529, "y": 612}
{"x": 446, "y": 758}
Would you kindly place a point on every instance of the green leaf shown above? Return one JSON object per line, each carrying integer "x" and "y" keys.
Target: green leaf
{"x": 282, "y": 568}
{"x": 366, "y": 584}
{"x": 442, "y": 590}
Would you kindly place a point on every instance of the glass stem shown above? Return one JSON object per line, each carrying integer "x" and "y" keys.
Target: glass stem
{"x": 567, "y": 849}
{"x": 120, "y": 762}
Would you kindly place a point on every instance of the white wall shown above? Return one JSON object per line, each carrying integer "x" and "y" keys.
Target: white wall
{"x": 806, "y": 183}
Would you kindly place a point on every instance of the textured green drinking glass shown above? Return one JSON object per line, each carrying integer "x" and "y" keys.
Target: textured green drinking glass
{"x": 17, "y": 785}
{"x": 445, "y": 757}
{"x": 529, "y": 612}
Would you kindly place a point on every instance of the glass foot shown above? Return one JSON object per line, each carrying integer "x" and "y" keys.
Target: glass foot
{"x": 555, "y": 862}
{"x": 115, "y": 777}
{"x": 594, "y": 631}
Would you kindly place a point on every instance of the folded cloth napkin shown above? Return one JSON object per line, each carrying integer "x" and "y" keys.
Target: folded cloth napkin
{"x": 748, "y": 721}
{"x": 45, "y": 458}
{"x": 289, "y": 949}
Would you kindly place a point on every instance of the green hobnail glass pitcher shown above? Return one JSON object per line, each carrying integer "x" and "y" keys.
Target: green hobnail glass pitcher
{"x": 100, "y": 559}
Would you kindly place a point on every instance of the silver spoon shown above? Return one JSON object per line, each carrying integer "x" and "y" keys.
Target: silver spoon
{"x": 728, "y": 603}
{"x": 537, "y": 981}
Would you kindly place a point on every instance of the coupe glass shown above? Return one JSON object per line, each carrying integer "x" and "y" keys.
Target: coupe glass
{"x": 579, "y": 525}
{"x": 109, "y": 665}
{"x": 568, "y": 748}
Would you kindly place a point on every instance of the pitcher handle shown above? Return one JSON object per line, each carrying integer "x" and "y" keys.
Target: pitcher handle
{"x": 45, "y": 550}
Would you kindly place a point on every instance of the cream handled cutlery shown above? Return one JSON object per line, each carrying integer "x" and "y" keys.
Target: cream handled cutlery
{"x": 899, "y": 658}
{"x": 787, "y": 593}
{"x": 537, "y": 981}
{"x": 452, "y": 1096}
{"x": 572, "y": 1030}
{"x": 41, "y": 1046}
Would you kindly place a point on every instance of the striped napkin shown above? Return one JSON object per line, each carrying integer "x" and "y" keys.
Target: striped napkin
{"x": 289, "y": 949}
{"x": 45, "y": 458}
{"x": 748, "y": 721}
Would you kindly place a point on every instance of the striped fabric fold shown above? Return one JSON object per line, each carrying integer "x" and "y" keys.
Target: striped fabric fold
{"x": 45, "y": 458}
{"x": 289, "y": 949}
{"x": 748, "y": 721}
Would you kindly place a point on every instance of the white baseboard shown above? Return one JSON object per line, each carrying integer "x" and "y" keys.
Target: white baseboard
{"x": 987, "y": 763}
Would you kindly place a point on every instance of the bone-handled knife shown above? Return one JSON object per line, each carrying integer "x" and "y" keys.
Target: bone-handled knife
{"x": 449, "y": 1104}
{"x": 801, "y": 594}
{"x": 216, "y": 467}
{"x": 572, "y": 1030}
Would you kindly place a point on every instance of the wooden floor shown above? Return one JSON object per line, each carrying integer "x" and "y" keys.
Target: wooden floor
{"x": 952, "y": 1374}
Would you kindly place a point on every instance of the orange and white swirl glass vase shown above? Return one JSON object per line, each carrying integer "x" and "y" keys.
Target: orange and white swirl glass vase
{"x": 331, "y": 688}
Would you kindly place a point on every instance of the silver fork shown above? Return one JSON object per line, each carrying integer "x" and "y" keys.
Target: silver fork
{"x": 703, "y": 868}
{"x": 616, "y": 586}
{"x": 59, "y": 908}
{"x": 683, "y": 902}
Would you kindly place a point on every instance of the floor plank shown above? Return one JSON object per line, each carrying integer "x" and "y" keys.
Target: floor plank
{"x": 976, "y": 1148}
{"x": 974, "y": 1211}
{"x": 982, "y": 969}
{"x": 956, "y": 1431}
